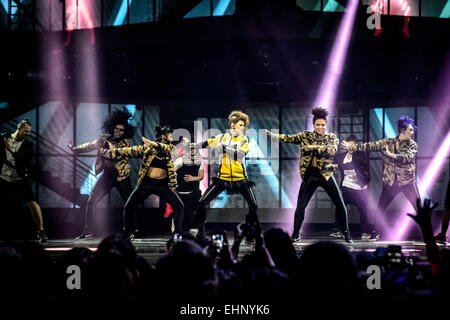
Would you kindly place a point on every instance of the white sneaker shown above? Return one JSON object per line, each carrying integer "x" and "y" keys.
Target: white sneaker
{"x": 365, "y": 236}
{"x": 336, "y": 234}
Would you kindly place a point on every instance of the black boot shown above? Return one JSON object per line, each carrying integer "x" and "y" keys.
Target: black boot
{"x": 347, "y": 236}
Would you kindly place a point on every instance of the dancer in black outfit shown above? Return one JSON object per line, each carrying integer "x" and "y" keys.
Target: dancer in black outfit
{"x": 353, "y": 167}
{"x": 16, "y": 151}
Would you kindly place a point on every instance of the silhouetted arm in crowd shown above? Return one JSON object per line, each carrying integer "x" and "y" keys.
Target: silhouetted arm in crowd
{"x": 423, "y": 219}
{"x": 260, "y": 248}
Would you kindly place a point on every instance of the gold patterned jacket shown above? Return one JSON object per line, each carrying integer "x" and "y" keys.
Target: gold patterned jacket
{"x": 121, "y": 165}
{"x": 402, "y": 169}
{"x": 322, "y": 157}
{"x": 147, "y": 153}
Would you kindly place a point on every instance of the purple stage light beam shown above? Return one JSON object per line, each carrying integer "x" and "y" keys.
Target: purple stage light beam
{"x": 427, "y": 181}
{"x": 327, "y": 92}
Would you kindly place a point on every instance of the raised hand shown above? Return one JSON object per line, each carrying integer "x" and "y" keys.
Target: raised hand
{"x": 239, "y": 232}
{"x": 270, "y": 134}
{"x": 423, "y": 217}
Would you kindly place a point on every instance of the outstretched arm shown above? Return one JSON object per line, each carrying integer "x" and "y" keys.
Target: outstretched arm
{"x": 365, "y": 147}
{"x": 120, "y": 153}
{"x": 158, "y": 145}
{"x": 287, "y": 138}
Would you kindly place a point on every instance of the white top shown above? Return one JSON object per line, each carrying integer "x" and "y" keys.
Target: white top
{"x": 350, "y": 179}
{"x": 9, "y": 174}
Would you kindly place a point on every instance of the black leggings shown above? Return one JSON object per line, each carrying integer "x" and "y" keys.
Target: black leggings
{"x": 390, "y": 192}
{"x": 147, "y": 187}
{"x": 106, "y": 182}
{"x": 213, "y": 191}
{"x": 313, "y": 180}
{"x": 358, "y": 198}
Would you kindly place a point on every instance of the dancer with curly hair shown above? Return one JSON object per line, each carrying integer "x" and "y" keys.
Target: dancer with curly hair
{"x": 116, "y": 172}
{"x": 317, "y": 150}
{"x": 399, "y": 165}
{"x": 233, "y": 147}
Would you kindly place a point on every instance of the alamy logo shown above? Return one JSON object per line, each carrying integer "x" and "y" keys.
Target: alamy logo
{"x": 374, "y": 280}
{"x": 74, "y": 280}
{"x": 374, "y": 20}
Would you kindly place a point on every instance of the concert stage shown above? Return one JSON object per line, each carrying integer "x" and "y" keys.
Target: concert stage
{"x": 154, "y": 247}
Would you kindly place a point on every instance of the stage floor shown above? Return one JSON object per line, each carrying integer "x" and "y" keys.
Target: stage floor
{"x": 154, "y": 247}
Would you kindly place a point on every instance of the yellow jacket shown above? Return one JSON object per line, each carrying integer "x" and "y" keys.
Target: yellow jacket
{"x": 232, "y": 161}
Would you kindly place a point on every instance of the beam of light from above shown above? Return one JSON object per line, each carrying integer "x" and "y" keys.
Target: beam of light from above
{"x": 429, "y": 178}
{"x": 122, "y": 14}
{"x": 327, "y": 92}
{"x": 221, "y": 7}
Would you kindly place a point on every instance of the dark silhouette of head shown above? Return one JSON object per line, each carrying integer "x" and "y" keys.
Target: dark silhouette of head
{"x": 327, "y": 268}
{"x": 281, "y": 250}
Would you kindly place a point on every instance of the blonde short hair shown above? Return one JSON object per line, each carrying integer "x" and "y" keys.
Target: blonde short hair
{"x": 236, "y": 116}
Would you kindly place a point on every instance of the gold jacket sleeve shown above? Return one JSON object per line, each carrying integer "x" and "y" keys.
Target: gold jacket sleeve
{"x": 130, "y": 152}
{"x": 86, "y": 147}
{"x": 370, "y": 146}
{"x": 291, "y": 138}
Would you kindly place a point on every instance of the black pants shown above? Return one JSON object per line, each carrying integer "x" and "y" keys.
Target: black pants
{"x": 213, "y": 191}
{"x": 358, "y": 198}
{"x": 313, "y": 180}
{"x": 147, "y": 187}
{"x": 190, "y": 202}
{"x": 390, "y": 192}
{"x": 106, "y": 182}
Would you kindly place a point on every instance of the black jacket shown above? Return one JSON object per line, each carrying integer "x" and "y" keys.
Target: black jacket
{"x": 360, "y": 163}
{"x": 22, "y": 157}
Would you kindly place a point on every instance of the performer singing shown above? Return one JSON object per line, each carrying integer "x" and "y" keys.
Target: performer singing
{"x": 116, "y": 172}
{"x": 189, "y": 169}
{"x": 232, "y": 177}
{"x": 316, "y": 170}
{"x": 156, "y": 176}
{"x": 399, "y": 167}
{"x": 16, "y": 151}
{"x": 353, "y": 167}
